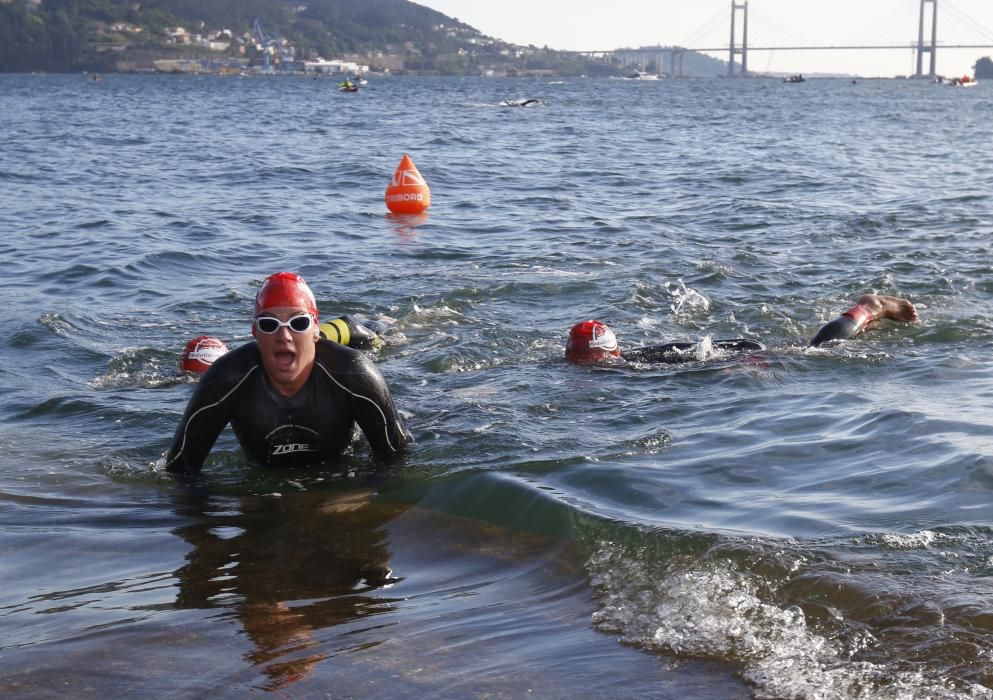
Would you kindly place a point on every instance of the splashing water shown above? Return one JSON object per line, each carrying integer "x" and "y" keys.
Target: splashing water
{"x": 686, "y": 300}
{"x": 702, "y": 608}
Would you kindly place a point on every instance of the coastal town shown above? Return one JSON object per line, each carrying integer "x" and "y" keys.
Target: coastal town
{"x": 233, "y": 53}
{"x": 227, "y": 52}
{"x": 265, "y": 36}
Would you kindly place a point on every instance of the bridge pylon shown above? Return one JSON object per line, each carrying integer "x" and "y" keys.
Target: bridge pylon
{"x": 743, "y": 50}
{"x": 930, "y": 48}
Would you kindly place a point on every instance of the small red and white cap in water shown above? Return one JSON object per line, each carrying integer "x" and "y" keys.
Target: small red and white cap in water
{"x": 200, "y": 353}
{"x": 285, "y": 289}
{"x": 591, "y": 341}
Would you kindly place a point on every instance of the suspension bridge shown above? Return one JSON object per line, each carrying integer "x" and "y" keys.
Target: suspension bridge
{"x": 738, "y": 47}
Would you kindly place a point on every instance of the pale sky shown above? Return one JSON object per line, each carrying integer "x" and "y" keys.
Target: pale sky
{"x": 593, "y": 25}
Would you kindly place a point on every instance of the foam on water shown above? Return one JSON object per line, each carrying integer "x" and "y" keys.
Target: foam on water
{"x": 708, "y": 607}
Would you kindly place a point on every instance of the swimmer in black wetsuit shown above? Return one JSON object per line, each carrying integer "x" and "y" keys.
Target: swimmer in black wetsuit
{"x": 592, "y": 341}
{"x": 291, "y": 398}
{"x": 869, "y": 309}
{"x": 520, "y": 103}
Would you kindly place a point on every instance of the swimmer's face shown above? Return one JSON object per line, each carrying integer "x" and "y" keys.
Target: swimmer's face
{"x": 590, "y": 357}
{"x": 287, "y": 356}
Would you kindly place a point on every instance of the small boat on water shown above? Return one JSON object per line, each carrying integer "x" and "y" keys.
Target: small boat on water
{"x": 964, "y": 81}
{"x": 641, "y": 75}
{"x": 348, "y": 88}
{"x": 795, "y": 79}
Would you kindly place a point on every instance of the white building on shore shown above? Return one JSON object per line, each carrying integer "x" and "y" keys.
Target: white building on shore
{"x": 334, "y": 67}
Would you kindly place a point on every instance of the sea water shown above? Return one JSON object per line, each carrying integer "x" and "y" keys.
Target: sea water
{"x": 798, "y": 524}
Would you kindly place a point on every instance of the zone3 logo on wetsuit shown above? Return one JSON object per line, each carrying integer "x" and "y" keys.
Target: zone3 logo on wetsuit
{"x": 314, "y": 425}
{"x": 291, "y": 447}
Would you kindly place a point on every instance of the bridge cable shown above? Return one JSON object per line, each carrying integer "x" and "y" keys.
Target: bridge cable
{"x": 982, "y": 31}
{"x": 708, "y": 26}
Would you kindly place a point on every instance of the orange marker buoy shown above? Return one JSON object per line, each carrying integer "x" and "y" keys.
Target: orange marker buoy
{"x": 407, "y": 192}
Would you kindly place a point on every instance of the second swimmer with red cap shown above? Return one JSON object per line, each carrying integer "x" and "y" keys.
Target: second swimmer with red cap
{"x": 291, "y": 397}
{"x": 592, "y": 341}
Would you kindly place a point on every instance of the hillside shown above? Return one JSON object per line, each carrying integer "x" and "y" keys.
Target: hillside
{"x": 397, "y": 36}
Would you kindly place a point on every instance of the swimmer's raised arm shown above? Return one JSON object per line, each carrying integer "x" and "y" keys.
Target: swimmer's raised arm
{"x": 893, "y": 308}
{"x": 869, "y": 309}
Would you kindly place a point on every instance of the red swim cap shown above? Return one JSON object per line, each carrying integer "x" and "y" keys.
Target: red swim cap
{"x": 591, "y": 341}
{"x": 200, "y": 353}
{"x": 285, "y": 289}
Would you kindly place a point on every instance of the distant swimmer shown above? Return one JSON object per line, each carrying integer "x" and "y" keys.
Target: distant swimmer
{"x": 592, "y": 341}
{"x": 520, "y": 103}
{"x": 868, "y": 309}
{"x": 291, "y": 397}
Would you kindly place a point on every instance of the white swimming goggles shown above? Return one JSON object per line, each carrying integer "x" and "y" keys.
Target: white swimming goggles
{"x": 298, "y": 324}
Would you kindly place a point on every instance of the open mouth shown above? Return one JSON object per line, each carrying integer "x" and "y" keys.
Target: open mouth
{"x": 284, "y": 358}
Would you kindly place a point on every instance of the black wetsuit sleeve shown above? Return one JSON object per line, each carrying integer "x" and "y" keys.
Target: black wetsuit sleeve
{"x": 373, "y": 407}
{"x": 844, "y": 327}
{"x": 841, "y": 328}
{"x": 206, "y": 415}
